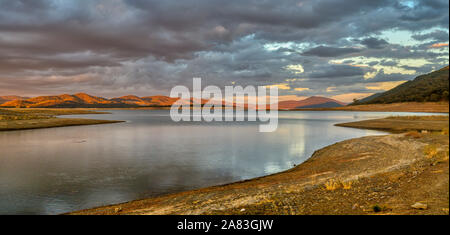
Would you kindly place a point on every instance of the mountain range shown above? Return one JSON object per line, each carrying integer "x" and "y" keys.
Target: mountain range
{"x": 82, "y": 100}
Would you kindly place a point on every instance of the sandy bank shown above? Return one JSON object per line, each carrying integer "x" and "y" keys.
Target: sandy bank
{"x": 402, "y": 124}
{"x": 23, "y": 119}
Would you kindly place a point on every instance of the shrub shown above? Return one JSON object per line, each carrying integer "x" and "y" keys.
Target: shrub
{"x": 430, "y": 150}
{"x": 413, "y": 134}
{"x": 347, "y": 185}
{"x": 332, "y": 185}
{"x": 377, "y": 208}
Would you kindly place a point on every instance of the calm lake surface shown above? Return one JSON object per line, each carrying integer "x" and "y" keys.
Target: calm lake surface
{"x": 57, "y": 170}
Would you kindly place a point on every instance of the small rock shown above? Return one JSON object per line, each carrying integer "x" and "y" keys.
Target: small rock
{"x": 117, "y": 209}
{"x": 243, "y": 209}
{"x": 419, "y": 206}
{"x": 355, "y": 206}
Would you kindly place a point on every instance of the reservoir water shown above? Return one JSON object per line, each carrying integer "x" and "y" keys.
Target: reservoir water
{"x": 57, "y": 170}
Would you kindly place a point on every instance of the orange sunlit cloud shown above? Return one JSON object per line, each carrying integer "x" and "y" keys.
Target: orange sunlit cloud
{"x": 383, "y": 86}
{"x": 301, "y": 89}
{"x": 282, "y": 86}
{"x": 438, "y": 45}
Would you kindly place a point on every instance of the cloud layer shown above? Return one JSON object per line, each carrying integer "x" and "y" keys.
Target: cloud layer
{"x": 116, "y": 47}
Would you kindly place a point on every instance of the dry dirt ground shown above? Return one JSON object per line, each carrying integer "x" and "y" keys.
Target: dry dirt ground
{"x": 401, "y": 124}
{"x": 404, "y": 173}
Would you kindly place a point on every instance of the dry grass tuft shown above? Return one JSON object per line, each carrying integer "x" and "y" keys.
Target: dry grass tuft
{"x": 347, "y": 185}
{"x": 332, "y": 185}
{"x": 430, "y": 151}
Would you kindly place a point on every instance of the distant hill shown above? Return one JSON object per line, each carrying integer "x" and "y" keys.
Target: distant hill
{"x": 323, "y": 105}
{"x": 63, "y": 101}
{"x": 430, "y": 87}
{"x": 311, "y": 102}
{"x": 146, "y": 101}
{"x": 82, "y": 100}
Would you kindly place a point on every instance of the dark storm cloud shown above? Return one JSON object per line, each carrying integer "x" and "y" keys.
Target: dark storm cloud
{"x": 437, "y": 35}
{"x": 337, "y": 71}
{"x": 146, "y": 46}
{"x": 374, "y": 43}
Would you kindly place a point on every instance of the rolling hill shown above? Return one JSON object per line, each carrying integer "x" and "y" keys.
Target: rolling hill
{"x": 82, "y": 100}
{"x": 432, "y": 87}
{"x": 145, "y": 101}
{"x": 63, "y": 101}
{"x": 311, "y": 102}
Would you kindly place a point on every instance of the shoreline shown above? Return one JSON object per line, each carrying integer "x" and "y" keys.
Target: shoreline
{"x": 21, "y": 119}
{"x": 366, "y": 175}
{"x": 401, "y": 124}
{"x": 51, "y": 123}
{"x": 418, "y": 107}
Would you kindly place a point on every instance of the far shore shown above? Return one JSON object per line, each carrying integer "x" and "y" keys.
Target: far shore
{"x": 420, "y": 107}
{"x": 405, "y": 173}
{"x": 398, "y": 124}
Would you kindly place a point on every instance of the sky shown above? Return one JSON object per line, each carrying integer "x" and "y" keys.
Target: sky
{"x": 334, "y": 48}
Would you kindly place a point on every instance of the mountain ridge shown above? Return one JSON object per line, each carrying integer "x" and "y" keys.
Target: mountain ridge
{"x": 311, "y": 102}
{"x": 431, "y": 87}
{"x": 83, "y": 100}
